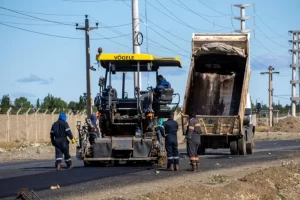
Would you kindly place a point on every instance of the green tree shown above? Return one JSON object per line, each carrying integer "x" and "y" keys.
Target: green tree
{"x": 73, "y": 105}
{"x": 38, "y": 104}
{"x": 51, "y": 102}
{"x": 5, "y": 101}
{"x": 22, "y": 102}
{"x": 82, "y": 102}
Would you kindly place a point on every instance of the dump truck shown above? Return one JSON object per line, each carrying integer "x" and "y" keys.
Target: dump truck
{"x": 129, "y": 132}
{"x": 217, "y": 92}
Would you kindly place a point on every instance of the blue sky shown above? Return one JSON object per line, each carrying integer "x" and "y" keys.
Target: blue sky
{"x": 34, "y": 65}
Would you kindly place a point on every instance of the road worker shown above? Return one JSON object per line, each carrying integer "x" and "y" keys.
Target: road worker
{"x": 162, "y": 84}
{"x": 60, "y": 130}
{"x": 170, "y": 132}
{"x": 193, "y": 141}
{"x": 92, "y": 129}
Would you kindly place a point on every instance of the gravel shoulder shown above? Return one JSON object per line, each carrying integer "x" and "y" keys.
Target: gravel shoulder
{"x": 270, "y": 180}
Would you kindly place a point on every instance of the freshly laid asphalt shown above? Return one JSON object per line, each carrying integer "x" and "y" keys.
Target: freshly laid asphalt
{"x": 40, "y": 175}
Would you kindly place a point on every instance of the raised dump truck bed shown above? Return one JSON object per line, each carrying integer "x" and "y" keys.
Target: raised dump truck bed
{"x": 217, "y": 90}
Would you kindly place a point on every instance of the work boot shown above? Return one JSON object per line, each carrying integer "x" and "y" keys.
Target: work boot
{"x": 194, "y": 166}
{"x": 70, "y": 166}
{"x": 58, "y": 167}
{"x": 197, "y": 165}
{"x": 171, "y": 167}
{"x": 176, "y": 167}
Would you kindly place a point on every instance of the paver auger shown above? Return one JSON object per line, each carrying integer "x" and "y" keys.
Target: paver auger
{"x": 128, "y": 127}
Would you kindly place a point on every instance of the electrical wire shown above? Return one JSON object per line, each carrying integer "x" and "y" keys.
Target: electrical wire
{"x": 27, "y": 18}
{"x": 173, "y": 1}
{"x": 267, "y": 49}
{"x": 112, "y": 40}
{"x": 201, "y": 16}
{"x": 18, "y": 23}
{"x": 116, "y": 26}
{"x": 168, "y": 32}
{"x": 46, "y": 20}
{"x": 213, "y": 9}
{"x": 79, "y": 1}
{"x": 161, "y": 46}
{"x": 59, "y": 36}
{"x": 270, "y": 38}
{"x": 266, "y": 24}
{"x": 37, "y": 13}
{"x": 176, "y": 20}
{"x": 168, "y": 40}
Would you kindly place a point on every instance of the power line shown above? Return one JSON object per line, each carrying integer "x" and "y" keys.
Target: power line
{"x": 266, "y": 24}
{"x": 120, "y": 33}
{"x": 168, "y": 40}
{"x": 168, "y": 32}
{"x": 213, "y": 9}
{"x": 79, "y": 1}
{"x": 36, "y": 17}
{"x": 37, "y": 13}
{"x": 173, "y": 1}
{"x": 27, "y": 18}
{"x": 116, "y": 26}
{"x": 178, "y": 20}
{"x": 266, "y": 48}
{"x": 59, "y": 36}
{"x": 114, "y": 41}
{"x": 270, "y": 38}
{"x": 201, "y": 16}
{"x": 32, "y": 24}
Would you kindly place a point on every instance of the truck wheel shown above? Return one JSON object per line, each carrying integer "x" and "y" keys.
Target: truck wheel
{"x": 201, "y": 150}
{"x": 242, "y": 146}
{"x": 249, "y": 147}
{"x": 233, "y": 148}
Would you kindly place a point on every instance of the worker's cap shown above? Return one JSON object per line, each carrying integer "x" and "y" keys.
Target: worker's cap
{"x": 160, "y": 76}
{"x": 62, "y": 116}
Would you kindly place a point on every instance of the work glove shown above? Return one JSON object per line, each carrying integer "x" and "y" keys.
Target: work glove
{"x": 73, "y": 141}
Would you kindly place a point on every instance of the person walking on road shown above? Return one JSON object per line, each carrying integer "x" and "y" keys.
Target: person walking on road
{"x": 193, "y": 141}
{"x": 170, "y": 132}
{"x": 60, "y": 130}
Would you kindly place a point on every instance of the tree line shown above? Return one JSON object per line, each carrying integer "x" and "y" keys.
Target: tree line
{"x": 48, "y": 103}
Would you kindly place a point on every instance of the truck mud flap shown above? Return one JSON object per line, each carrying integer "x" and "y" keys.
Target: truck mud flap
{"x": 121, "y": 159}
{"x": 142, "y": 147}
{"x": 106, "y": 147}
{"x": 102, "y": 148}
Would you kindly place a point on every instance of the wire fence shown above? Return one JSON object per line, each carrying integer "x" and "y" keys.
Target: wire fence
{"x": 33, "y": 125}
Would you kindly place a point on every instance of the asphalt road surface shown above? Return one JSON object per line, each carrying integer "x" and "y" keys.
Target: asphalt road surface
{"x": 40, "y": 175}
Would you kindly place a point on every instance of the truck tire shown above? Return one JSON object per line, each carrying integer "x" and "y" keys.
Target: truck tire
{"x": 233, "y": 148}
{"x": 250, "y": 147}
{"x": 201, "y": 150}
{"x": 242, "y": 146}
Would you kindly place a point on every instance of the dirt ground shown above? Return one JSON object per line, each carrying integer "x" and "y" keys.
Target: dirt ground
{"x": 290, "y": 124}
{"x": 263, "y": 181}
{"x": 281, "y": 182}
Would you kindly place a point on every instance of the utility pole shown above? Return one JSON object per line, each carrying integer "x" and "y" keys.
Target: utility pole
{"x": 87, "y": 30}
{"x": 271, "y": 72}
{"x": 242, "y": 18}
{"x": 135, "y": 38}
{"x": 294, "y": 66}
